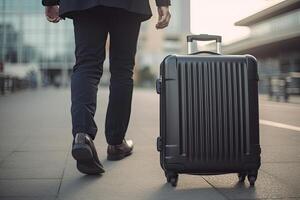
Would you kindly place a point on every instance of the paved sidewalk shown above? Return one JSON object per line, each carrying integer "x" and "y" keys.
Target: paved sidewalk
{"x": 35, "y": 160}
{"x": 292, "y": 99}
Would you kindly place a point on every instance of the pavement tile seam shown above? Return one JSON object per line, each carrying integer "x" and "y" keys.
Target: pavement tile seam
{"x": 13, "y": 151}
{"x": 63, "y": 173}
{"x": 216, "y": 189}
{"x": 2, "y": 163}
{"x": 5, "y": 158}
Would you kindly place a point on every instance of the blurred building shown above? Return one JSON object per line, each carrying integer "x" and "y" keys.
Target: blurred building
{"x": 28, "y": 39}
{"x": 274, "y": 40}
{"x": 154, "y": 44}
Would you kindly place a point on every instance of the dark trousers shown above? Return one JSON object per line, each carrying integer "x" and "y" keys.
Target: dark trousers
{"x": 91, "y": 29}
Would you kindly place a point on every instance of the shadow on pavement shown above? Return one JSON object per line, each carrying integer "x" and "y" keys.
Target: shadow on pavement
{"x": 109, "y": 165}
{"x": 167, "y": 191}
{"x": 183, "y": 191}
{"x": 79, "y": 184}
{"x": 239, "y": 191}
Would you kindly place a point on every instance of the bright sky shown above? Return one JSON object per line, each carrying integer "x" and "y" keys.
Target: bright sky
{"x": 219, "y": 16}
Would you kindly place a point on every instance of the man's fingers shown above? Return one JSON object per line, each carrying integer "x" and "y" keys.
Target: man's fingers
{"x": 168, "y": 18}
{"x": 161, "y": 26}
{"x": 162, "y": 19}
{"x": 164, "y": 23}
{"x": 54, "y": 20}
{"x": 50, "y": 19}
{"x": 52, "y": 13}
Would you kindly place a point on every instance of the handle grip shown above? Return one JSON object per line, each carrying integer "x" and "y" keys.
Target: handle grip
{"x": 204, "y": 37}
{"x": 207, "y": 52}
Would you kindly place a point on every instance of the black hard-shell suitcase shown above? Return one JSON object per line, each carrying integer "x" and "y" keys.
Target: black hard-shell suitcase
{"x": 209, "y": 121}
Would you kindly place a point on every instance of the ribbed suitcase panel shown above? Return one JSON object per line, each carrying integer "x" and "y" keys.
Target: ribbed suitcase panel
{"x": 213, "y": 107}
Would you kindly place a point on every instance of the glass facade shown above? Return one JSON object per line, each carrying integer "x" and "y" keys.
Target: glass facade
{"x": 285, "y": 64}
{"x": 27, "y": 37}
{"x": 289, "y": 21}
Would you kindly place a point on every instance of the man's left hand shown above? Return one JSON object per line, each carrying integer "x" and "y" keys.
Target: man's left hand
{"x": 164, "y": 17}
{"x": 52, "y": 13}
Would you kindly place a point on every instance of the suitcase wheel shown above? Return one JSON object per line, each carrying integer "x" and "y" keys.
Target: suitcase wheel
{"x": 172, "y": 178}
{"x": 242, "y": 176}
{"x": 251, "y": 180}
{"x": 252, "y": 176}
{"x": 174, "y": 181}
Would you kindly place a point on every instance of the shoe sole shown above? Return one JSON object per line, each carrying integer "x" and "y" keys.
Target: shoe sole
{"x": 118, "y": 157}
{"x": 85, "y": 160}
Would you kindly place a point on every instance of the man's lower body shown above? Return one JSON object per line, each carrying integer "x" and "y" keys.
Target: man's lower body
{"x": 91, "y": 28}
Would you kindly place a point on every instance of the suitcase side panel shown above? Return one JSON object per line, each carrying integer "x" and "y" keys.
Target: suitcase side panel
{"x": 169, "y": 112}
{"x": 211, "y": 113}
{"x": 255, "y": 150}
{"x": 220, "y": 120}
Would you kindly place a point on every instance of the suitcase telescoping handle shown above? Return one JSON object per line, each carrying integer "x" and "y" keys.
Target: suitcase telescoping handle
{"x": 204, "y": 37}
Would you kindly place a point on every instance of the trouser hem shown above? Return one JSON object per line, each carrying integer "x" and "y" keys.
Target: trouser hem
{"x": 114, "y": 140}
{"x": 90, "y": 131}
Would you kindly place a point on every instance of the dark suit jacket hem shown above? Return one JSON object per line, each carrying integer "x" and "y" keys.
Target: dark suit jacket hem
{"x": 69, "y": 13}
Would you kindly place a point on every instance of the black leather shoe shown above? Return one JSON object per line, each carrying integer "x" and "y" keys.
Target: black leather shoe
{"x": 85, "y": 153}
{"x": 118, "y": 152}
